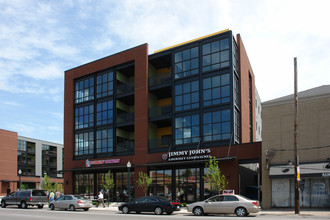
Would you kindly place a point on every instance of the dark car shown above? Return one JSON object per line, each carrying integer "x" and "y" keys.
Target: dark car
{"x": 155, "y": 204}
{"x": 25, "y": 198}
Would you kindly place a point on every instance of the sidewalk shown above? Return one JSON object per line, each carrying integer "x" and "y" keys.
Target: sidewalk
{"x": 114, "y": 208}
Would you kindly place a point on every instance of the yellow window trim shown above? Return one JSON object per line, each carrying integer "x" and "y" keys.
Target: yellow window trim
{"x": 190, "y": 41}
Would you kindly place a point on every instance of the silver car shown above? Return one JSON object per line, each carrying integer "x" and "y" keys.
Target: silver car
{"x": 224, "y": 203}
{"x": 71, "y": 202}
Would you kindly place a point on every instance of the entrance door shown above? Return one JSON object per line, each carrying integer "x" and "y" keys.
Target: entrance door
{"x": 187, "y": 182}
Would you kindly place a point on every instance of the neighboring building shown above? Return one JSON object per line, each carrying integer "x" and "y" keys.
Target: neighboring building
{"x": 258, "y": 117}
{"x": 166, "y": 113}
{"x": 313, "y": 149}
{"x": 33, "y": 157}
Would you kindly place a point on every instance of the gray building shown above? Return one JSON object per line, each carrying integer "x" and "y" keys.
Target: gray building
{"x": 313, "y": 149}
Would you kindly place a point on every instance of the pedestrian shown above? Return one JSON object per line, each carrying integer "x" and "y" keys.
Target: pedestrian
{"x": 100, "y": 199}
{"x": 51, "y": 196}
{"x": 57, "y": 194}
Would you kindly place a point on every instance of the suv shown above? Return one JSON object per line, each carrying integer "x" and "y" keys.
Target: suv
{"x": 25, "y": 198}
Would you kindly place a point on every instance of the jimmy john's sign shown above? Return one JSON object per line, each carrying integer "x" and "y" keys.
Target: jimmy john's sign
{"x": 196, "y": 154}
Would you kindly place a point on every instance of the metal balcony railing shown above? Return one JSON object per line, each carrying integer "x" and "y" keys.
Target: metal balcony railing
{"x": 165, "y": 110}
{"x": 122, "y": 88}
{"x": 125, "y": 117}
{"x": 159, "y": 79}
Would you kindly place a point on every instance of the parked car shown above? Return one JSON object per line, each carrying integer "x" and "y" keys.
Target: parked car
{"x": 155, "y": 204}
{"x": 71, "y": 202}
{"x": 224, "y": 203}
{"x": 25, "y": 198}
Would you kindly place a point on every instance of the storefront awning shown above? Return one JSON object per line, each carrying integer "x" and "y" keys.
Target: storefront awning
{"x": 306, "y": 170}
{"x": 185, "y": 162}
{"x": 177, "y": 163}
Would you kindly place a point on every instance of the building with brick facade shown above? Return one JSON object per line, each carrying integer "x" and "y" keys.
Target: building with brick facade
{"x": 166, "y": 113}
{"x": 32, "y": 157}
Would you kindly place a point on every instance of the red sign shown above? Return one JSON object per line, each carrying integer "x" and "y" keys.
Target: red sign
{"x": 100, "y": 162}
{"x": 230, "y": 191}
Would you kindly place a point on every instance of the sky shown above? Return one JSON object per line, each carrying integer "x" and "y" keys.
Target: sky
{"x": 40, "y": 39}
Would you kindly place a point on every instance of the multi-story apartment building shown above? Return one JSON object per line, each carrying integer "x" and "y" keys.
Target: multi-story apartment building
{"x": 33, "y": 158}
{"x": 166, "y": 113}
{"x": 278, "y": 183}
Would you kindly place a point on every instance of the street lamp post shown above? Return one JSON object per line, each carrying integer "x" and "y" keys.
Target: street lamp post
{"x": 129, "y": 180}
{"x": 19, "y": 176}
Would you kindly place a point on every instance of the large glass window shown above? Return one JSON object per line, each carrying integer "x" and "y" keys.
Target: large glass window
{"x": 84, "y": 90}
{"x": 186, "y": 96}
{"x": 104, "y": 113}
{"x": 217, "y": 125}
{"x": 122, "y": 186}
{"x": 188, "y": 185}
{"x": 161, "y": 183}
{"x": 104, "y": 84}
{"x": 104, "y": 141}
{"x": 84, "y": 185}
{"x": 187, "y": 129}
{"x": 84, "y": 143}
{"x": 84, "y": 116}
{"x": 215, "y": 55}
{"x": 186, "y": 63}
{"x": 216, "y": 90}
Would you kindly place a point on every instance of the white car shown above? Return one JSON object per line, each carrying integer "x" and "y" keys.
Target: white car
{"x": 223, "y": 203}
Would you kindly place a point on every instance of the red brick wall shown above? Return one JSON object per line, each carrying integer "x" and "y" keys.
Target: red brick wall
{"x": 245, "y": 69}
{"x": 140, "y": 57}
{"x": 8, "y": 161}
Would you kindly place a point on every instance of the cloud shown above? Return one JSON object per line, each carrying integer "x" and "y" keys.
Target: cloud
{"x": 12, "y": 103}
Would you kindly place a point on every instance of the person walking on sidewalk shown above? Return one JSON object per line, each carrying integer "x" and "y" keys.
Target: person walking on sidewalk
{"x": 100, "y": 199}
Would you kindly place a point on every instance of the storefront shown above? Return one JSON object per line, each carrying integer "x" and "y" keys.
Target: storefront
{"x": 314, "y": 185}
{"x": 178, "y": 175}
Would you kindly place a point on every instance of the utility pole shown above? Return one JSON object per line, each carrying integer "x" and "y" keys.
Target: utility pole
{"x": 296, "y": 157}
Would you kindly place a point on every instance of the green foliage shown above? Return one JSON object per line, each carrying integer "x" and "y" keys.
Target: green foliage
{"x": 217, "y": 181}
{"x": 109, "y": 183}
{"x": 47, "y": 185}
{"x": 144, "y": 182}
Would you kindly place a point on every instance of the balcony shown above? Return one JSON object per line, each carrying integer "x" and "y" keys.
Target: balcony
{"x": 126, "y": 147}
{"x": 160, "y": 79}
{"x": 160, "y": 144}
{"x": 125, "y": 88}
{"x": 125, "y": 117}
{"x": 160, "y": 111}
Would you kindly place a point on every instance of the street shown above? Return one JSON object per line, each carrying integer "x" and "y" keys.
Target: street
{"x": 13, "y": 213}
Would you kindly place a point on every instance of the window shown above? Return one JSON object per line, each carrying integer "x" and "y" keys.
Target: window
{"x": 104, "y": 113}
{"x": 187, "y": 129}
{"x": 186, "y": 63}
{"x": 21, "y": 145}
{"x": 186, "y": 96}
{"x": 104, "y": 141}
{"x": 84, "y": 90}
{"x": 84, "y": 143}
{"x": 104, "y": 84}
{"x": 230, "y": 198}
{"x": 84, "y": 116}
{"x": 217, "y": 125}
{"x": 216, "y": 90}
{"x": 161, "y": 183}
{"x": 215, "y": 55}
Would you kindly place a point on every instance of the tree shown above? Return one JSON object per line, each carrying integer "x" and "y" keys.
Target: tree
{"x": 144, "y": 182}
{"x": 47, "y": 185}
{"x": 217, "y": 181}
{"x": 108, "y": 183}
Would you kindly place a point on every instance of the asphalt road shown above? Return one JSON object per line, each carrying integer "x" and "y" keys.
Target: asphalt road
{"x": 13, "y": 213}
